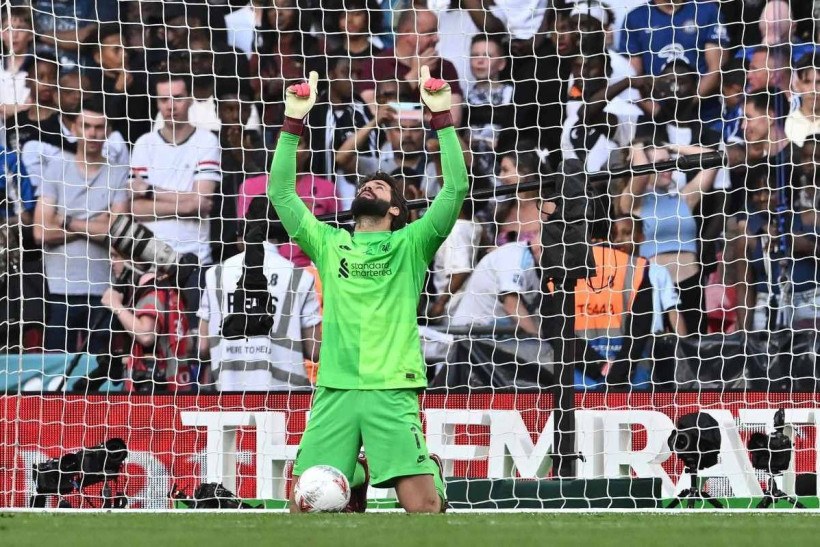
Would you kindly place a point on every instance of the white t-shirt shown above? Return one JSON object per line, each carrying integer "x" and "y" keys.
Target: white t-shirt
{"x": 176, "y": 167}
{"x": 596, "y": 154}
{"x": 798, "y": 127}
{"x": 508, "y": 269}
{"x": 665, "y": 295}
{"x": 522, "y": 17}
{"x": 261, "y": 363}
{"x": 456, "y": 255}
{"x": 240, "y": 28}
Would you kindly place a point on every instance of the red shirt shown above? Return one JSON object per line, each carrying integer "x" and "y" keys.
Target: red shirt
{"x": 387, "y": 67}
{"x": 170, "y": 343}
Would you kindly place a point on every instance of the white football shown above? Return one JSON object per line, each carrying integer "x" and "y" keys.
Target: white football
{"x": 322, "y": 489}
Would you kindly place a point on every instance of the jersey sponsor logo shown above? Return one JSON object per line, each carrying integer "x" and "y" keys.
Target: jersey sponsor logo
{"x": 364, "y": 269}
{"x": 673, "y": 52}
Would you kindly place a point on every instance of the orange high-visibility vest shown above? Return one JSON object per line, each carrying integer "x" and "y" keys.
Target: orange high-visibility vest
{"x": 603, "y": 302}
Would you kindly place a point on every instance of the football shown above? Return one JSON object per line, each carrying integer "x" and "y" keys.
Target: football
{"x": 322, "y": 489}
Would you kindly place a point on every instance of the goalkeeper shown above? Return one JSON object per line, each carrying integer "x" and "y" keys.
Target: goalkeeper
{"x": 371, "y": 367}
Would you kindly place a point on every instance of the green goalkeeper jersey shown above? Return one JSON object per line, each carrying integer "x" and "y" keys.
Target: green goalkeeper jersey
{"x": 371, "y": 281}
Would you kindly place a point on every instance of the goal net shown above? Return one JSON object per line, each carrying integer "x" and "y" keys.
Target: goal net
{"x": 628, "y": 296}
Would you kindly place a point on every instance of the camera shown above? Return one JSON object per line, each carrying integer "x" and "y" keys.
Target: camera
{"x": 696, "y": 440}
{"x": 773, "y": 452}
{"x": 77, "y": 470}
{"x": 137, "y": 244}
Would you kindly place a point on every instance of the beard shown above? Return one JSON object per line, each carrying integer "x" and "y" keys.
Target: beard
{"x": 369, "y": 207}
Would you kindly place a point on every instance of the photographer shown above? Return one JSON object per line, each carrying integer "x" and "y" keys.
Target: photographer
{"x": 275, "y": 360}
{"x": 149, "y": 308}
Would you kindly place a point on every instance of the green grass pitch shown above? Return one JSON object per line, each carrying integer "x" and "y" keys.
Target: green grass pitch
{"x": 690, "y": 529}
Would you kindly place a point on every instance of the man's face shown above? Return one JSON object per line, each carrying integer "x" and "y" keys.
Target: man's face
{"x": 424, "y": 36}
{"x": 387, "y": 91}
{"x": 675, "y": 91}
{"x": 353, "y": 22}
{"x": 112, "y": 54}
{"x": 232, "y": 111}
{"x": 92, "y": 130}
{"x": 412, "y": 136}
{"x": 566, "y": 37}
{"x": 767, "y": 69}
{"x": 808, "y": 85}
{"x": 18, "y": 36}
{"x": 173, "y": 101}
{"x": 282, "y": 15}
{"x": 70, "y": 92}
{"x": 486, "y": 61}
{"x": 373, "y": 198}
{"x": 507, "y": 172}
{"x": 340, "y": 79}
{"x": 45, "y": 83}
{"x": 756, "y": 124}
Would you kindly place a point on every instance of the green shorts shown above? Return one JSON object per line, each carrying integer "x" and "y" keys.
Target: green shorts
{"x": 385, "y": 422}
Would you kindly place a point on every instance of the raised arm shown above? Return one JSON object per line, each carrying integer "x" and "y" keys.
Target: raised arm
{"x": 440, "y": 218}
{"x": 297, "y": 219}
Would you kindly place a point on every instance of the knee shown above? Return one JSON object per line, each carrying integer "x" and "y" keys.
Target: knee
{"x": 423, "y": 504}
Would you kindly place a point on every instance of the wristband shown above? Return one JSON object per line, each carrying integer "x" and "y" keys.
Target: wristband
{"x": 293, "y": 126}
{"x": 440, "y": 120}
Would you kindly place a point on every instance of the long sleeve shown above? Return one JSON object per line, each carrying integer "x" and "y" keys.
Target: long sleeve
{"x": 434, "y": 227}
{"x": 301, "y": 225}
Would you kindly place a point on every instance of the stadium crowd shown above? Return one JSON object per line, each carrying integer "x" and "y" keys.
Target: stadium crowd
{"x": 169, "y": 111}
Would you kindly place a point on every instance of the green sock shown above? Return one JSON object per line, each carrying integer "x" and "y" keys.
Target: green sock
{"x": 358, "y": 476}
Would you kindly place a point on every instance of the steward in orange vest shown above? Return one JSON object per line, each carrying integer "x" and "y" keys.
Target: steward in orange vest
{"x": 613, "y": 314}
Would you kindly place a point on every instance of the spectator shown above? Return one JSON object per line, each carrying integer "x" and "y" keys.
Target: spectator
{"x": 490, "y": 111}
{"x": 627, "y": 236}
{"x": 355, "y": 25}
{"x": 613, "y": 316}
{"x": 670, "y": 227}
{"x": 416, "y": 40}
{"x": 599, "y": 116}
{"x": 778, "y": 265}
{"x": 518, "y": 218}
{"x": 454, "y": 262}
{"x": 808, "y": 196}
{"x": 217, "y": 73}
{"x": 778, "y": 36}
{"x": 61, "y": 27}
{"x": 768, "y": 68}
{"x": 406, "y": 156}
{"x": 175, "y": 173}
{"x": 40, "y": 122}
{"x": 503, "y": 290}
{"x": 318, "y": 194}
{"x": 733, "y": 85}
{"x": 677, "y": 117}
{"x": 126, "y": 89}
{"x": 243, "y": 156}
{"x": 157, "y": 326}
{"x": 805, "y": 120}
{"x": 340, "y": 150}
{"x": 660, "y": 32}
{"x": 78, "y": 194}
{"x": 285, "y": 52}
{"x": 262, "y": 363}
{"x": 18, "y": 56}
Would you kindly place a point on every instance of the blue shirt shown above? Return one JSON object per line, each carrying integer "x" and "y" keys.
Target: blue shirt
{"x": 668, "y": 225}
{"x": 658, "y": 37}
{"x": 798, "y": 50}
{"x": 803, "y": 269}
{"x": 15, "y": 185}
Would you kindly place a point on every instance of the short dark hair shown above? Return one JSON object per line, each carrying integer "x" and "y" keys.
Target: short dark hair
{"x": 176, "y": 69}
{"x": 770, "y": 100}
{"x": 15, "y": 12}
{"x": 397, "y": 198}
{"x": 734, "y": 73}
{"x": 93, "y": 102}
{"x": 809, "y": 61}
{"x": 493, "y": 38}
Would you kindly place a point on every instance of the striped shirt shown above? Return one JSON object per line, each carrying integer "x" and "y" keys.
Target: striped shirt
{"x": 177, "y": 167}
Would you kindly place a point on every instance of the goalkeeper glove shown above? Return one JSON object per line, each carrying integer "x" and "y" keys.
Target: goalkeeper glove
{"x": 435, "y": 93}
{"x": 300, "y": 98}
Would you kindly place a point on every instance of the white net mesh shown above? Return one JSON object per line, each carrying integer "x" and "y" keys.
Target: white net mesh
{"x": 639, "y": 246}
